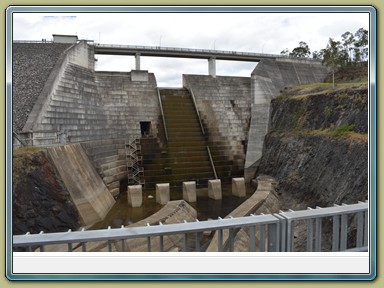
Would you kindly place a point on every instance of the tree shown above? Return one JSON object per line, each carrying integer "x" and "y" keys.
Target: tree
{"x": 361, "y": 44}
{"x": 333, "y": 56}
{"x": 317, "y": 54}
{"x": 348, "y": 42}
{"x": 301, "y": 51}
{"x": 285, "y": 52}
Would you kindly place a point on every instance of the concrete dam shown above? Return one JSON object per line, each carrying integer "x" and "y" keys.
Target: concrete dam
{"x": 106, "y": 130}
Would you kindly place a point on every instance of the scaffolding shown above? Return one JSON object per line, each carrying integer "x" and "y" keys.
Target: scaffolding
{"x": 134, "y": 160}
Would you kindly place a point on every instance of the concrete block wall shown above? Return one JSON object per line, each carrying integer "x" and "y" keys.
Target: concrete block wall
{"x": 268, "y": 79}
{"x": 127, "y": 102}
{"x": 224, "y": 103}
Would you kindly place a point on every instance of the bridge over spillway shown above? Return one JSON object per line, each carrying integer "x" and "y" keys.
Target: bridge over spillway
{"x": 210, "y": 55}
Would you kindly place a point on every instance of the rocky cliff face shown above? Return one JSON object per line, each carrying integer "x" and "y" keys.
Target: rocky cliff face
{"x": 317, "y": 146}
{"x": 40, "y": 200}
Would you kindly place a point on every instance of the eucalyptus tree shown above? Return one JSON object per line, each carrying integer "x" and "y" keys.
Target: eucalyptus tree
{"x": 333, "y": 56}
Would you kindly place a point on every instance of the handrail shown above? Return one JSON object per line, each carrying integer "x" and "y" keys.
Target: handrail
{"x": 211, "y": 160}
{"x": 162, "y": 114}
{"x": 279, "y": 221}
{"x": 197, "y": 111}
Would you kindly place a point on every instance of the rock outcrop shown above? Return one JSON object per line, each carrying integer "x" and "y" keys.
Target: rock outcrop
{"x": 317, "y": 146}
{"x": 41, "y": 201}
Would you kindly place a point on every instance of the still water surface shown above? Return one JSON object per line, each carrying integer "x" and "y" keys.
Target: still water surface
{"x": 122, "y": 214}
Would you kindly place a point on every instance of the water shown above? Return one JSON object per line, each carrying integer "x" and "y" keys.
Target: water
{"x": 122, "y": 214}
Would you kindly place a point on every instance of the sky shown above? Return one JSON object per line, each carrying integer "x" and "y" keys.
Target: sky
{"x": 243, "y": 32}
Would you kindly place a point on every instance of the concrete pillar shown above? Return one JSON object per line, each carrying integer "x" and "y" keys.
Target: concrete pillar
{"x": 212, "y": 66}
{"x": 137, "y": 60}
{"x": 238, "y": 187}
{"x": 135, "y": 195}
{"x": 189, "y": 191}
{"x": 162, "y": 193}
{"x": 214, "y": 189}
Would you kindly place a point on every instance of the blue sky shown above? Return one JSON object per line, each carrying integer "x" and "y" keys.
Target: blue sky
{"x": 246, "y": 32}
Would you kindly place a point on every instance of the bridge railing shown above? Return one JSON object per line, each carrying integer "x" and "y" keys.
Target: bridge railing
{"x": 266, "y": 233}
{"x": 203, "y": 51}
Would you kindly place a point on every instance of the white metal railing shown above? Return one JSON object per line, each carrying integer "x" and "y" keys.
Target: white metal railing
{"x": 271, "y": 232}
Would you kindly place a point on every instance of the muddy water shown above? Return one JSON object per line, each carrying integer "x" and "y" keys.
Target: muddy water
{"x": 122, "y": 214}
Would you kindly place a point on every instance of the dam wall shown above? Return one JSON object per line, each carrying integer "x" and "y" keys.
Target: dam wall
{"x": 31, "y": 68}
{"x": 224, "y": 104}
{"x": 268, "y": 79}
{"x": 78, "y": 104}
{"x": 98, "y": 109}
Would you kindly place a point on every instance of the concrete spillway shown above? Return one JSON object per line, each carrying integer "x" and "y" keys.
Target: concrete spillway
{"x": 87, "y": 190}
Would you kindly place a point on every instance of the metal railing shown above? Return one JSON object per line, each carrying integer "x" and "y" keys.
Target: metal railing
{"x": 198, "y": 51}
{"x": 162, "y": 114}
{"x": 212, "y": 163}
{"x": 270, "y": 233}
{"x": 197, "y": 110}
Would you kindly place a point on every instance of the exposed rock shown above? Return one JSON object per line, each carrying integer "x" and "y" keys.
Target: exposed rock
{"x": 316, "y": 170}
{"x": 40, "y": 200}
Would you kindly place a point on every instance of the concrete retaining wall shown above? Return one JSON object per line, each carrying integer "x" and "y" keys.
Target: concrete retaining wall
{"x": 264, "y": 200}
{"x": 87, "y": 190}
{"x": 268, "y": 78}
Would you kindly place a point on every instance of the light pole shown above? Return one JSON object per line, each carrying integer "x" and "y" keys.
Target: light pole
{"x": 160, "y": 40}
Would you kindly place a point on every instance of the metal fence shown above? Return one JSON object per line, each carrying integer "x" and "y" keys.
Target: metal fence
{"x": 280, "y": 232}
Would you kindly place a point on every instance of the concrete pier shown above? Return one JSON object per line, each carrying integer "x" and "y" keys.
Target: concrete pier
{"x": 214, "y": 189}
{"x": 212, "y": 67}
{"x": 162, "y": 193}
{"x": 189, "y": 191}
{"x": 135, "y": 195}
{"x": 238, "y": 187}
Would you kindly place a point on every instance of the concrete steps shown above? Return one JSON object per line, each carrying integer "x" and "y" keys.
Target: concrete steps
{"x": 186, "y": 157}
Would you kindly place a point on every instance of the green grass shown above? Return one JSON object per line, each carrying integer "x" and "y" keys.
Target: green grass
{"x": 342, "y": 130}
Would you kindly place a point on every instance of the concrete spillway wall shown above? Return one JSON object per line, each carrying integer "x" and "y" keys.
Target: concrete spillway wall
{"x": 224, "y": 103}
{"x": 268, "y": 78}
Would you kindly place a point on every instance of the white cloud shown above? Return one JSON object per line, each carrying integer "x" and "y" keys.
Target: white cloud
{"x": 247, "y": 32}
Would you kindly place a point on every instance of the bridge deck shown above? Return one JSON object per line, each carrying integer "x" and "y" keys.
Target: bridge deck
{"x": 159, "y": 51}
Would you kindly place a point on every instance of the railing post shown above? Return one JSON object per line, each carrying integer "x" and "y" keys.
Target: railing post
{"x": 273, "y": 237}
{"x": 335, "y": 233}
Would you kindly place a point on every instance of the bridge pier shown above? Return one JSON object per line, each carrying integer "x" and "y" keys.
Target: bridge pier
{"x": 212, "y": 66}
{"x": 137, "y": 61}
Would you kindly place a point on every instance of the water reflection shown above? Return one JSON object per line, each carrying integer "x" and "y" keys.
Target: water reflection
{"x": 122, "y": 214}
